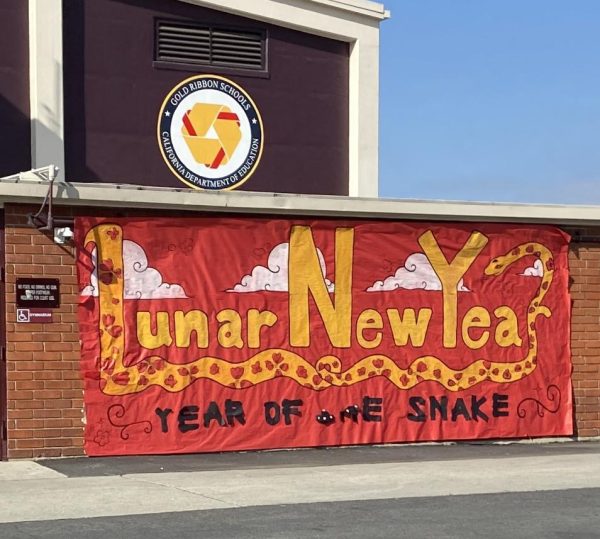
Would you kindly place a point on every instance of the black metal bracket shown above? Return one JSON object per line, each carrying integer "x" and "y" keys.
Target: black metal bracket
{"x": 45, "y": 221}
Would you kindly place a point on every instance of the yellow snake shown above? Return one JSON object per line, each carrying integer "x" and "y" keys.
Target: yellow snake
{"x": 118, "y": 379}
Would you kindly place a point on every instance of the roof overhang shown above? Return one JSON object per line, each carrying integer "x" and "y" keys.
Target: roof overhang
{"x": 306, "y": 15}
{"x": 19, "y": 190}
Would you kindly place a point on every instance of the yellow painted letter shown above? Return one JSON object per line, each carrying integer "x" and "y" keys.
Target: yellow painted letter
{"x": 369, "y": 319}
{"x": 409, "y": 326}
{"x": 150, "y": 340}
{"x": 230, "y": 330}
{"x": 305, "y": 275}
{"x": 476, "y": 317}
{"x": 450, "y": 275}
{"x": 507, "y": 330}
{"x": 186, "y": 323}
{"x": 256, "y": 321}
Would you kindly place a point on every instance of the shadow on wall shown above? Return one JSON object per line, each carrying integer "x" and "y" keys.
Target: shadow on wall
{"x": 15, "y": 136}
{"x": 73, "y": 88}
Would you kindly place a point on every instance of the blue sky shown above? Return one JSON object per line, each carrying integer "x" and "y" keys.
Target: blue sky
{"x": 495, "y": 100}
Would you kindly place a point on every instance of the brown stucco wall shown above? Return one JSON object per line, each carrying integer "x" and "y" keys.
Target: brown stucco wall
{"x": 113, "y": 94}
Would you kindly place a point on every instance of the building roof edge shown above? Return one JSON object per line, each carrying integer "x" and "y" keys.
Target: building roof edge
{"x": 129, "y": 196}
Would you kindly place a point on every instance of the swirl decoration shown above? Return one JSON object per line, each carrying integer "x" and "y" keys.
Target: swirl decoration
{"x": 552, "y": 394}
{"x": 118, "y": 379}
{"x": 117, "y": 411}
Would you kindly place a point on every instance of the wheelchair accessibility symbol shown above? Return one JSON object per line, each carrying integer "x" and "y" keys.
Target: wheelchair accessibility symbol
{"x": 23, "y": 315}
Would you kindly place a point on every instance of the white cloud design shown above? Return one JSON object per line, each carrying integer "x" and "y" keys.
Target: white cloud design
{"x": 274, "y": 277}
{"x": 140, "y": 280}
{"x": 416, "y": 273}
{"x": 537, "y": 270}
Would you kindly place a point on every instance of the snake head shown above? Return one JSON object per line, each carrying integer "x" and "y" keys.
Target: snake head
{"x": 495, "y": 267}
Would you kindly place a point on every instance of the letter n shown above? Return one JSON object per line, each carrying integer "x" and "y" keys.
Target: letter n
{"x": 305, "y": 275}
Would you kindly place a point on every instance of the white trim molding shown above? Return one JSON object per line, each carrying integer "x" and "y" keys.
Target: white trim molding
{"x": 46, "y": 84}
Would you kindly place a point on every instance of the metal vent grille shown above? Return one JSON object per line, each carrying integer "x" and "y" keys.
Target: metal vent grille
{"x": 188, "y": 43}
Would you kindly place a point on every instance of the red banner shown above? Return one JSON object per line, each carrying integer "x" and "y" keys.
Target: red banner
{"x": 217, "y": 334}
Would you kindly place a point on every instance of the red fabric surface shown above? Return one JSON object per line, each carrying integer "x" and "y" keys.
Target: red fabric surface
{"x": 180, "y": 398}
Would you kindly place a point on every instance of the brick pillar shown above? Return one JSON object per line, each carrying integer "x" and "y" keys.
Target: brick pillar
{"x": 45, "y": 398}
{"x": 584, "y": 262}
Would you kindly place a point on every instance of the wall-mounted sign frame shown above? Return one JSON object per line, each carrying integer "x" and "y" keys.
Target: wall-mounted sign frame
{"x": 34, "y": 292}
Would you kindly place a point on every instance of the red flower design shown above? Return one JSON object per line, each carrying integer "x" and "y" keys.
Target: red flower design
{"x": 256, "y": 368}
{"x": 115, "y": 331}
{"x": 121, "y": 378}
{"x": 107, "y": 272}
{"x": 113, "y": 233}
{"x": 108, "y": 320}
{"x": 102, "y": 438}
{"x": 237, "y": 372}
{"x": 142, "y": 366}
{"x": 171, "y": 381}
{"x": 107, "y": 365}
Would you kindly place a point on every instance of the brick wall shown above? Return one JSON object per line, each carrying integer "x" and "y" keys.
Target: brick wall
{"x": 45, "y": 390}
{"x": 584, "y": 264}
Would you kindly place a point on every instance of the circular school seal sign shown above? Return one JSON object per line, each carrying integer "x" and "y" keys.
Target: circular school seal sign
{"x": 210, "y": 133}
